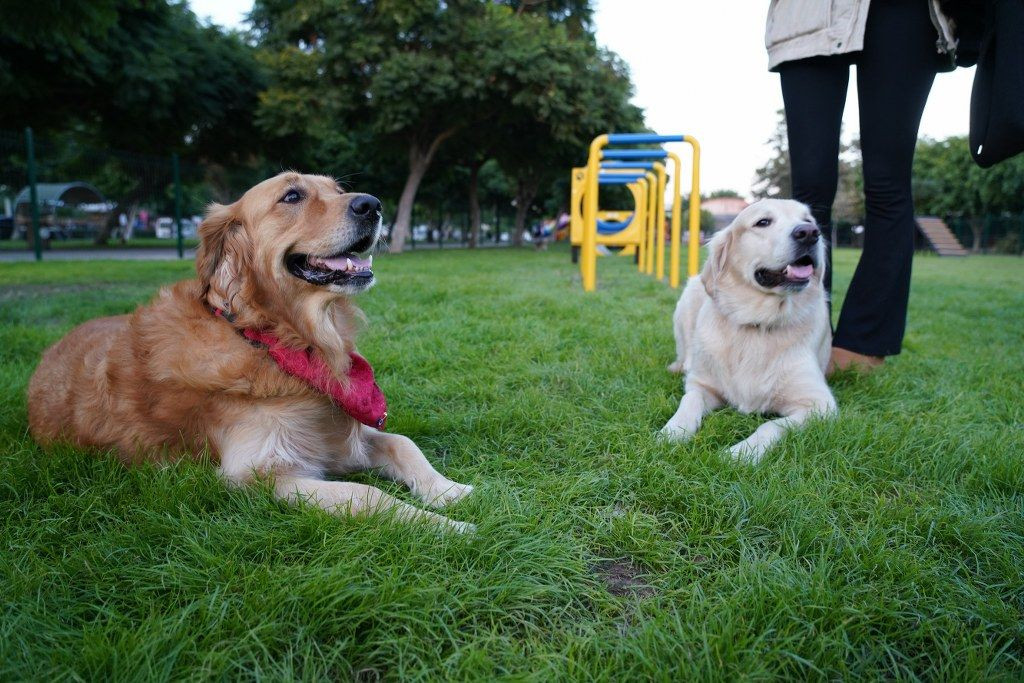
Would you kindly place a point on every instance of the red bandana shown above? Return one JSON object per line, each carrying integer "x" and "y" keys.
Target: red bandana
{"x": 362, "y": 398}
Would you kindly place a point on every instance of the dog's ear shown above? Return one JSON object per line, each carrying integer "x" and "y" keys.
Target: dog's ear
{"x": 718, "y": 257}
{"x": 223, "y": 256}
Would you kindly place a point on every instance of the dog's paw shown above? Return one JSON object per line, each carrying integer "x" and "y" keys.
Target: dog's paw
{"x": 676, "y": 367}
{"x": 462, "y": 527}
{"x": 445, "y": 493}
{"x": 674, "y": 434}
{"x": 748, "y": 453}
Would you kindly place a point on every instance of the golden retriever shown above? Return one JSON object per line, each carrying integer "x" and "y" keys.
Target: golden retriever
{"x": 183, "y": 374}
{"x": 752, "y": 330}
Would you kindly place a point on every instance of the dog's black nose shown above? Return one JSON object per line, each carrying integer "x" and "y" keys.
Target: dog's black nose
{"x": 364, "y": 205}
{"x": 806, "y": 233}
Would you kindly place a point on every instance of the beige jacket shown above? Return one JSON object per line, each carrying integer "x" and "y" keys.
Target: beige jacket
{"x": 810, "y": 28}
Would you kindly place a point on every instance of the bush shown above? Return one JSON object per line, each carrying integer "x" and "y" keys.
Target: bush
{"x": 1010, "y": 243}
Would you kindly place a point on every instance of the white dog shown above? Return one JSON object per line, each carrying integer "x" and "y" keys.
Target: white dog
{"x": 752, "y": 330}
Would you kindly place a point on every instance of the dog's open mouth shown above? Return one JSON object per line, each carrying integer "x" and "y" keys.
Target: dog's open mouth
{"x": 341, "y": 269}
{"x": 796, "y": 274}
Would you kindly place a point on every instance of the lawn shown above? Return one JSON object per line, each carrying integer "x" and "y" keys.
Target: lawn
{"x": 134, "y": 243}
{"x": 888, "y": 543}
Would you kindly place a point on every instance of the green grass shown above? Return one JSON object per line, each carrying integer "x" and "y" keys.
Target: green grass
{"x": 77, "y": 244}
{"x": 888, "y": 543}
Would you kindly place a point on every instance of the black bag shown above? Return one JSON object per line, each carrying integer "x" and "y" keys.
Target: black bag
{"x": 997, "y": 99}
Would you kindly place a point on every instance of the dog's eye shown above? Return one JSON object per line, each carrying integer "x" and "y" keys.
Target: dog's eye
{"x": 763, "y": 223}
{"x": 292, "y": 197}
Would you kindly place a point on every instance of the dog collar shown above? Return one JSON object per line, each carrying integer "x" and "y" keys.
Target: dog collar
{"x": 362, "y": 398}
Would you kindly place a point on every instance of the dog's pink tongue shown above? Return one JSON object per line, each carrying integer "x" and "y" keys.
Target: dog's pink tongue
{"x": 799, "y": 272}
{"x": 348, "y": 263}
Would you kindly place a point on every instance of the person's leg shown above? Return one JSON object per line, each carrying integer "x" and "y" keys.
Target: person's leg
{"x": 814, "y": 93}
{"x": 894, "y": 74}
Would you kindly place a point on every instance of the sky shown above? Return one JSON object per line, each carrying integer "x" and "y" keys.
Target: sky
{"x": 700, "y": 68}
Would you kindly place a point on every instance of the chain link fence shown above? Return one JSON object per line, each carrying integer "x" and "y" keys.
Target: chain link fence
{"x": 989, "y": 234}
{"x": 58, "y": 193}
{"x": 980, "y": 235}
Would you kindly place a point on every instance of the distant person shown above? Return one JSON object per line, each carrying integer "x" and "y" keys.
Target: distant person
{"x": 898, "y": 46}
{"x": 540, "y": 233}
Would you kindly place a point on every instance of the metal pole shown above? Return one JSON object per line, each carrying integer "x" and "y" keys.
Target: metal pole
{"x": 693, "y": 250}
{"x": 33, "y": 192}
{"x": 177, "y": 204}
{"x": 412, "y": 226}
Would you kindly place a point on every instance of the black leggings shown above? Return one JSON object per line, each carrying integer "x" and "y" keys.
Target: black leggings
{"x": 895, "y": 71}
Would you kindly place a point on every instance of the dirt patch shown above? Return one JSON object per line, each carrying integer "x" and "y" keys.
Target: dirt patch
{"x": 621, "y": 577}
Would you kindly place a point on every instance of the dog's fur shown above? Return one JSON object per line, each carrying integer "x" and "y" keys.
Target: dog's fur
{"x": 745, "y": 343}
{"x": 173, "y": 379}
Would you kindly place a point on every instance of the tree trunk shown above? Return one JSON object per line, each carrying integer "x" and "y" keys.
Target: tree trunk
{"x": 525, "y": 192}
{"x": 977, "y": 229}
{"x": 419, "y": 162}
{"x": 474, "y": 205}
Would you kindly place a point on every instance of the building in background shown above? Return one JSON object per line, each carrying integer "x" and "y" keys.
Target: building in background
{"x": 724, "y": 209}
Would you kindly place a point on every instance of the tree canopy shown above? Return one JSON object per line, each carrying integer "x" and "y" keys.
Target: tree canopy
{"x": 144, "y": 76}
{"x": 507, "y": 93}
{"x": 522, "y": 84}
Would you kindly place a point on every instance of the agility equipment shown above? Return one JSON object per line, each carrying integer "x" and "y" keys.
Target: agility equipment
{"x": 619, "y": 228}
{"x": 643, "y": 172}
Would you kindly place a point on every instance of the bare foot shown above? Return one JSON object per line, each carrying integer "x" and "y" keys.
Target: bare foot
{"x": 842, "y": 359}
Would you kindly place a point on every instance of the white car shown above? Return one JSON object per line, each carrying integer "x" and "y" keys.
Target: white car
{"x": 164, "y": 228}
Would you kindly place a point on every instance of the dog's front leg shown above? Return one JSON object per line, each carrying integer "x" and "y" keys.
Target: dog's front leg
{"x": 697, "y": 402}
{"x": 400, "y": 459}
{"x": 753, "y": 448}
{"x": 354, "y": 499}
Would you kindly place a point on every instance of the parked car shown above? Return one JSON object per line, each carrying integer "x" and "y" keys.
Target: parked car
{"x": 164, "y": 228}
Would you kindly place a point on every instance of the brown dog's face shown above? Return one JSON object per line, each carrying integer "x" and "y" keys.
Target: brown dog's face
{"x": 313, "y": 230}
{"x": 288, "y": 236}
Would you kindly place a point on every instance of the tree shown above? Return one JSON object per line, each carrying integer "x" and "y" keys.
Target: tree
{"x": 504, "y": 79}
{"x": 128, "y": 74}
{"x": 724, "y": 194}
{"x": 775, "y": 178}
{"x": 947, "y": 182}
{"x": 576, "y": 15}
{"x": 413, "y": 72}
{"x": 848, "y": 206}
{"x": 589, "y": 93}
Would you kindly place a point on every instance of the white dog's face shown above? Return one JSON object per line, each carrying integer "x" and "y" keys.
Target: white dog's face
{"x": 774, "y": 245}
